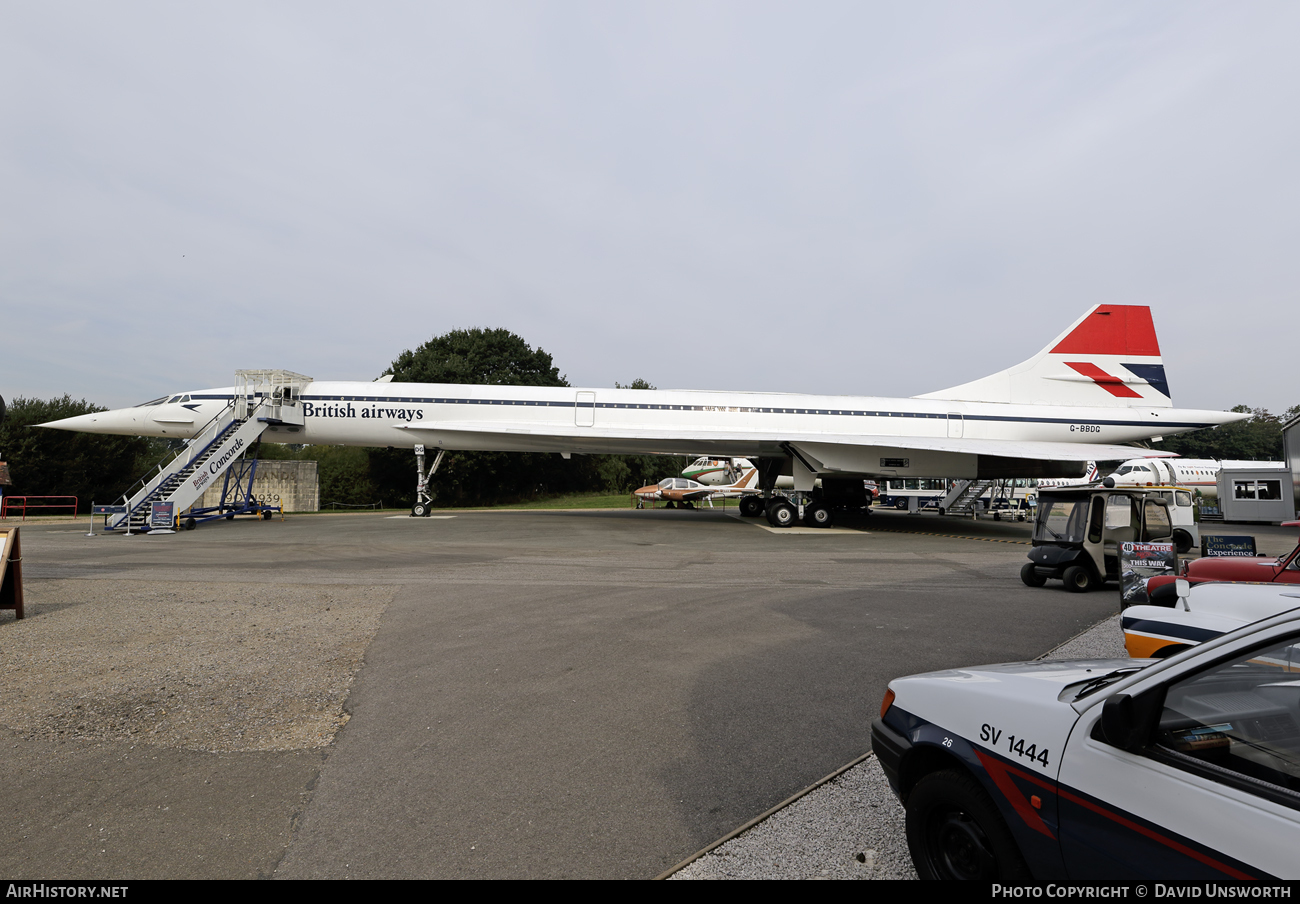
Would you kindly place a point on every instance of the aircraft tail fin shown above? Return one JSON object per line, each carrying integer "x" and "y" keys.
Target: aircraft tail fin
{"x": 1108, "y": 358}
{"x": 748, "y": 480}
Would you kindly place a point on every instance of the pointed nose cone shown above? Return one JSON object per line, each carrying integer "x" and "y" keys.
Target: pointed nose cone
{"x": 123, "y": 421}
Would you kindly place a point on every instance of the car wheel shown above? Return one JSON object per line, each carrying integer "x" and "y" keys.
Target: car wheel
{"x": 1030, "y": 577}
{"x": 781, "y": 514}
{"x": 817, "y": 515}
{"x": 1078, "y": 579}
{"x": 419, "y": 510}
{"x": 954, "y": 832}
{"x": 1182, "y": 541}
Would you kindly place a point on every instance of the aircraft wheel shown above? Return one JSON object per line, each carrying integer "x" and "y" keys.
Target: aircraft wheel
{"x": 954, "y": 831}
{"x": 751, "y": 506}
{"x": 669, "y": 504}
{"x": 1078, "y": 579}
{"x": 1030, "y": 577}
{"x": 688, "y": 505}
{"x": 817, "y": 515}
{"x": 419, "y": 510}
{"x": 781, "y": 514}
{"x": 1182, "y": 541}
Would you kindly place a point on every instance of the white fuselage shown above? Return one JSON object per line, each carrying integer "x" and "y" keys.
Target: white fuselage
{"x": 731, "y": 424}
{"x": 1194, "y": 473}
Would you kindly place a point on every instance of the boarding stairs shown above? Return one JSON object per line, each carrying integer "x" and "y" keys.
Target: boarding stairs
{"x": 263, "y": 398}
{"x": 184, "y": 479}
{"x": 962, "y": 498}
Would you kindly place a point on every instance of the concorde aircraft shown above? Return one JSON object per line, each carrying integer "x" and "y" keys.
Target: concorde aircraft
{"x": 1097, "y": 385}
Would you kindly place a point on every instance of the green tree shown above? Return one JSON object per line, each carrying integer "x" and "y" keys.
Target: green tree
{"x": 477, "y": 356}
{"x": 343, "y": 473}
{"x": 1258, "y": 438}
{"x": 497, "y": 357}
{"x": 92, "y": 467}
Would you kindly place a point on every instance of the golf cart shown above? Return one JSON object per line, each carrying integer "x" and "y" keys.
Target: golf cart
{"x": 1078, "y": 530}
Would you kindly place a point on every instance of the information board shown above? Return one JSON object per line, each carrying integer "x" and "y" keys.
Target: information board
{"x": 162, "y": 515}
{"x": 1223, "y": 546}
{"x": 1139, "y": 561}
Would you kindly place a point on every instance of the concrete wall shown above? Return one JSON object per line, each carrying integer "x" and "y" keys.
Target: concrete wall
{"x": 293, "y": 484}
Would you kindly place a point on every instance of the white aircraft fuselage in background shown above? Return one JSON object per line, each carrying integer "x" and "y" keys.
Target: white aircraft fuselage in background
{"x": 1195, "y": 473}
{"x": 1099, "y": 384}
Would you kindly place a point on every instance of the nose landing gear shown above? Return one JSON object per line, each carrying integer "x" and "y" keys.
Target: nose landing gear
{"x": 423, "y": 501}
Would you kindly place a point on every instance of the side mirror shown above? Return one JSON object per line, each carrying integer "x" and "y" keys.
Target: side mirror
{"x": 1118, "y": 723}
{"x": 1183, "y": 588}
{"x": 1126, "y": 721}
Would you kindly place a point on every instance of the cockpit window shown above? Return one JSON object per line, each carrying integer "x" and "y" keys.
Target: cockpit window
{"x": 152, "y": 403}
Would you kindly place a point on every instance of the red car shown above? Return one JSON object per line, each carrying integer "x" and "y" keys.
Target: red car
{"x": 1257, "y": 569}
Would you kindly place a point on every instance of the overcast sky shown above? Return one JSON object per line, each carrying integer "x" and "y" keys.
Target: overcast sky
{"x": 858, "y": 198}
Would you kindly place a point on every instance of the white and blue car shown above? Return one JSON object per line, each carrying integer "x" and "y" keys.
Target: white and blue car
{"x": 1199, "y": 612}
{"x": 1186, "y": 767}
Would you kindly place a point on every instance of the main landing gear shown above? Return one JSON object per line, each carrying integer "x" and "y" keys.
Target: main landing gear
{"x": 783, "y": 511}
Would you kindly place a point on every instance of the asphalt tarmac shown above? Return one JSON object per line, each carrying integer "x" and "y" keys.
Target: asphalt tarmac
{"x": 590, "y": 694}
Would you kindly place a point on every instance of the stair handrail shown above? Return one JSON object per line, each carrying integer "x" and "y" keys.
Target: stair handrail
{"x": 195, "y": 446}
{"x": 169, "y": 456}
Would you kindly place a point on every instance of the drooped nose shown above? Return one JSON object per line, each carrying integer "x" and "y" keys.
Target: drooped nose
{"x": 128, "y": 421}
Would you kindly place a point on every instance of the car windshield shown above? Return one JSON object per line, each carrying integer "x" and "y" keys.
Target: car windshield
{"x": 1061, "y": 520}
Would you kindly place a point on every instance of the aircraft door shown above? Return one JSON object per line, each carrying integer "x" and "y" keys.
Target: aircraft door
{"x": 584, "y": 410}
{"x": 956, "y": 425}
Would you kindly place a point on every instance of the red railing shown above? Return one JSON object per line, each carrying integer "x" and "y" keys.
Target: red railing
{"x": 12, "y": 502}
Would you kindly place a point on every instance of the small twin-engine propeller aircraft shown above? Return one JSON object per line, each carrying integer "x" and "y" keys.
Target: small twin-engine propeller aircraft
{"x": 1097, "y": 385}
{"x": 683, "y": 492}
